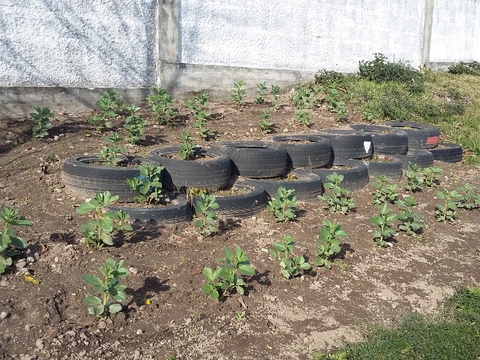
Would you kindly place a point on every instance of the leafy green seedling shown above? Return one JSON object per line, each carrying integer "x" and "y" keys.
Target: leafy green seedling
{"x": 262, "y": 91}
{"x": 384, "y": 221}
{"x": 338, "y": 199}
{"x": 414, "y": 181}
{"x": 275, "y": 92}
{"x": 226, "y": 277}
{"x": 198, "y": 105}
{"x": 265, "y": 125}
{"x": 290, "y": 266}
{"x": 329, "y": 242}
{"x": 303, "y": 117}
{"x": 238, "y": 93}
{"x": 99, "y": 230}
{"x": 148, "y": 184}
{"x": 9, "y": 241}
{"x": 109, "y": 106}
{"x": 284, "y": 206}
{"x": 448, "y": 210}
{"x": 206, "y": 215}
{"x": 335, "y": 104}
{"x": 431, "y": 176}
{"x": 384, "y": 191}
{"x": 111, "y": 292}
{"x": 161, "y": 104}
{"x": 187, "y": 149}
{"x": 110, "y": 153}
{"x": 41, "y": 121}
{"x": 410, "y": 222}
{"x": 134, "y": 125}
{"x": 470, "y": 197}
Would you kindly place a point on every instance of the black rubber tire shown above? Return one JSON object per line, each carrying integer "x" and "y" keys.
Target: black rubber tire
{"x": 82, "y": 177}
{"x": 213, "y": 172}
{"x": 254, "y": 159}
{"x": 447, "y": 152}
{"x": 177, "y": 212}
{"x": 423, "y": 158}
{"x": 305, "y": 151}
{"x": 355, "y": 173}
{"x": 420, "y": 136}
{"x": 243, "y": 205}
{"x": 307, "y": 185}
{"x": 386, "y": 140}
{"x": 391, "y": 169}
{"x": 348, "y": 144}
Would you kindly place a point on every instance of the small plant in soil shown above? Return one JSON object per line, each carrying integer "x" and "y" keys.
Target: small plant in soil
{"x": 431, "y": 176}
{"x": 302, "y": 98}
{"x": 262, "y": 91}
{"x": 410, "y": 222}
{"x": 303, "y": 117}
{"x": 110, "y": 154}
{"x": 134, "y": 125}
{"x": 109, "y": 106}
{"x": 336, "y": 197}
{"x": 238, "y": 93}
{"x": 414, "y": 180}
{"x": 290, "y": 266}
{"x": 226, "y": 278}
{"x": 383, "y": 220}
{"x": 205, "y": 214}
{"x": 470, "y": 197}
{"x": 101, "y": 228}
{"x": 335, "y": 104}
{"x": 448, "y": 210}
{"x": 161, "y": 104}
{"x": 284, "y": 206}
{"x": 10, "y": 243}
{"x": 275, "y": 92}
{"x": 384, "y": 191}
{"x": 198, "y": 105}
{"x": 111, "y": 292}
{"x": 329, "y": 242}
{"x": 266, "y": 127}
{"x": 187, "y": 149}
{"x": 148, "y": 184}
{"x": 41, "y": 121}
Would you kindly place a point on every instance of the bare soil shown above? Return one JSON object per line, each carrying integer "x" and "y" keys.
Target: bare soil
{"x": 284, "y": 319}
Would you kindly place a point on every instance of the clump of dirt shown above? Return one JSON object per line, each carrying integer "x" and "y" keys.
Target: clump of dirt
{"x": 276, "y": 319}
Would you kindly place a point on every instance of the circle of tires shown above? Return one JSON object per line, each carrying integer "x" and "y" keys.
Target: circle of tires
{"x": 254, "y": 159}
{"x": 305, "y": 151}
{"x": 211, "y": 172}
{"x": 447, "y": 152}
{"x": 422, "y": 158}
{"x": 388, "y": 166}
{"x": 177, "y": 211}
{"x": 307, "y": 185}
{"x": 355, "y": 173}
{"x": 247, "y": 204}
{"x": 348, "y": 144}
{"x": 84, "y": 176}
{"x": 420, "y": 136}
{"x": 386, "y": 140}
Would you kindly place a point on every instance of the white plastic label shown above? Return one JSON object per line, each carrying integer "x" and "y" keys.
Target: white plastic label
{"x": 366, "y": 145}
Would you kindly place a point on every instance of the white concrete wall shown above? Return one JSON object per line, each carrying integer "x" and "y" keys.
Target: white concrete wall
{"x": 305, "y": 35}
{"x": 455, "y": 31}
{"x": 77, "y": 43}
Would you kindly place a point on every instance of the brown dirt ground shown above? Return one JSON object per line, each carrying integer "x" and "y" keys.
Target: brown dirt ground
{"x": 284, "y": 319}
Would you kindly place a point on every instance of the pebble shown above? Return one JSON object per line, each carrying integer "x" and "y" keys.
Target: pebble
{"x": 21, "y": 264}
{"x": 30, "y": 259}
{"x": 102, "y": 325}
{"x": 3, "y": 315}
{"x": 300, "y": 298}
{"x": 133, "y": 270}
{"x": 39, "y": 344}
{"x": 140, "y": 332}
{"x": 3, "y": 283}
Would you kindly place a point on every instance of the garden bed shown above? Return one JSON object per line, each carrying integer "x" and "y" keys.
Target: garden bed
{"x": 166, "y": 313}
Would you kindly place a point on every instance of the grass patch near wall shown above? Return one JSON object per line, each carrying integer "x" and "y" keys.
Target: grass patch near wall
{"x": 453, "y": 334}
{"x": 387, "y": 91}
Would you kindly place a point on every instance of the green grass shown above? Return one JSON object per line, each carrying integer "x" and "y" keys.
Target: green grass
{"x": 383, "y": 91}
{"x": 452, "y": 334}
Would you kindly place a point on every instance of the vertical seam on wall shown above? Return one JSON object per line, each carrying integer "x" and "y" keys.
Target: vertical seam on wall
{"x": 427, "y": 31}
{"x": 167, "y": 37}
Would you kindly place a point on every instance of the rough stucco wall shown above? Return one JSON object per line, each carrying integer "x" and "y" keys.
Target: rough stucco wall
{"x": 77, "y": 43}
{"x": 455, "y": 31}
{"x": 305, "y": 35}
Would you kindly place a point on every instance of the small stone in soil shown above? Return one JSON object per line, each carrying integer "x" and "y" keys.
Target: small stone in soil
{"x": 3, "y": 315}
